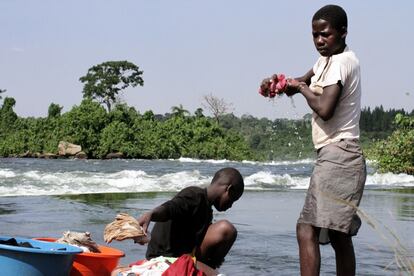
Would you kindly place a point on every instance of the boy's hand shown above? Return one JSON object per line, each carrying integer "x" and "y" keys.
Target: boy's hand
{"x": 144, "y": 220}
{"x": 293, "y": 86}
{"x": 275, "y": 85}
{"x": 264, "y": 88}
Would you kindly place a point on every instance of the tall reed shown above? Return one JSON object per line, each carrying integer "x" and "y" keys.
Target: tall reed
{"x": 403, "y": 258}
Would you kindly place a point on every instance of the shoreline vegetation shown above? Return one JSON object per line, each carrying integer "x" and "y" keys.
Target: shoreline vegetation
{"x": 119, "y": 131}
{"x": 125, "y": 133}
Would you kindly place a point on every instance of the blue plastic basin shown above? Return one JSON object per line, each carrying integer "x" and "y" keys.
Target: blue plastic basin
{"x": 48, "y": 258}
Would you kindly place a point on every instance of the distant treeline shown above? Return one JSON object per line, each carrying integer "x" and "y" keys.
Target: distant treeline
{"x": 380, "y": 120}
{"x": 291, "y": 139}
{"x": 119, "y": 130}
{"x": 172, "y": 135}
{"x": 122, "y": 129}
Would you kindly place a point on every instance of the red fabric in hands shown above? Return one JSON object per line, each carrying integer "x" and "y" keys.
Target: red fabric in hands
{"x": 276, "y": 85}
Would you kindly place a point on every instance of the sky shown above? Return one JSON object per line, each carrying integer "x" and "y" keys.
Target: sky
{"x": 189, "y": 49}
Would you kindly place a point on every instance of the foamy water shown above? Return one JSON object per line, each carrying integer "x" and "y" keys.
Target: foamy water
{"x": 57, "y": 177}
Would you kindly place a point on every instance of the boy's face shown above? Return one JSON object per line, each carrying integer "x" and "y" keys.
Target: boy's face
{"x": 328, "y": 40}
{"x": 226, "y": 200}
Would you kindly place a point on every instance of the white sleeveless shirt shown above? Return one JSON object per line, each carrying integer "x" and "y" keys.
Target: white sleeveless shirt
{"x": 343, "y": 68}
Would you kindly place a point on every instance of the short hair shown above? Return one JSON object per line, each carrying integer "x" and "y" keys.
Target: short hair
{"x": 334, "y": 14}
{"x": 231, "y": 175}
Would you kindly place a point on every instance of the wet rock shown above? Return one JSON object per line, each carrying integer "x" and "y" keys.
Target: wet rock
{"x": 81, "y": 155}
{"x": 114, "y": 155}
{"x": 68, "y": 149}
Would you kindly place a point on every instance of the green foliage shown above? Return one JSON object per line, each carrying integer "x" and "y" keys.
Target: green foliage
{"x": 122, "y": 130}
{"x": 199, "y": 112}
{"x": 273, "y": 140}
{"x": 116, "y": 137}
{"x": 83, "y": 125}
{"x": 378, "y": 120}
{"x": 106, "y": 80}
{"x": 2, "y": 91}
{"x": 13, "y": 142}
{"x": 123, "y": 113}
{"x": 179, "y": 111}
{"x": 180, "y": 134}
{"x": 7, "y": 114}
{"x": 54, "y": 110}
{"x": 396, "y": 153}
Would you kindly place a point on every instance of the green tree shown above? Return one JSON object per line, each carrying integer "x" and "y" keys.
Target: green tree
{"x": 2, "y": 91}
{"x": 179, "y": 111}
{"x": 7, "y": 114}
{"x": 199, "y": 112}
{"x": 54, "y": 110}
{"x": 106, "y": 80}
{"x": 83, "y": 125}
{"x": 123, "y": 113}
{"x": 149, "y": 115}
{"x": 396, "y": 153}
{"x": 116, "y": 137}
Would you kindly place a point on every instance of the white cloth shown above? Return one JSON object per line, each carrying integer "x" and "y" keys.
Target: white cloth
{"x": 343, "y": 68}
{"x": 153, "y": 267}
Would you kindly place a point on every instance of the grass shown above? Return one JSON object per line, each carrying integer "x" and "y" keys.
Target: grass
{"x": 403, "y": 258}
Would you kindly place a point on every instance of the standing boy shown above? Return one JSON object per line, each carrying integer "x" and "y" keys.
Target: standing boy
{"x": 332, "y": 89}
{"x": 184, "y": 223}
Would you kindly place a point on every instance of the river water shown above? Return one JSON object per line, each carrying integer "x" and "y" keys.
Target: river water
{"x": 43, "y": 198}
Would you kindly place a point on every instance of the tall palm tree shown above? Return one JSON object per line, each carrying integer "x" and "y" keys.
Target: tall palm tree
{"x": 179, "y": 111}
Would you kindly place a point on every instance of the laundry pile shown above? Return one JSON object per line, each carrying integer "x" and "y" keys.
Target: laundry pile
{"x": 80, "y": 239}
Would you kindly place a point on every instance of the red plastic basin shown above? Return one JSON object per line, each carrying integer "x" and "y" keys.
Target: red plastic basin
{"x": 94, "y": 264}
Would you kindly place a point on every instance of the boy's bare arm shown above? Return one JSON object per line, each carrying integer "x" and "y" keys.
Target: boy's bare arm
{"x": 293, "y": 89}
{"x": 307, "y": 77}
{"x": 323, "y": 104}
{"x": 159, "y": 213}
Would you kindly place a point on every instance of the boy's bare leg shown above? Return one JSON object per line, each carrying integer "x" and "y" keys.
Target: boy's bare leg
{"x": 309, "y": 254}
{"x": 344, "y": 253}
{"x": 217, "y": 242}
{"x": 208, "y": 271}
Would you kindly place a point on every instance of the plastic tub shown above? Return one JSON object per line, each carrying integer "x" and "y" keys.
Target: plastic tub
{"x": 94, "y": 264}
{"x": 47, "y": 259}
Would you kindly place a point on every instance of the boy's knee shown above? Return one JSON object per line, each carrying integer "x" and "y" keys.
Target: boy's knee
{"x": 219, "y": 239}
{"x": 340, "y": 240}
{"x": 305, "y": 232}
{"x": 226, "y": 229}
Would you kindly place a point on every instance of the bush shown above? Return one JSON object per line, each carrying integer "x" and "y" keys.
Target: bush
{"x": 396, "y": 153}
{"x": 83, "y": 125}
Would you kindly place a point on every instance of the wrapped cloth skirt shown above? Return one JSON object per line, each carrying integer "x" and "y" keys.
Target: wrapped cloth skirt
{"x": 335, "y": 189}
